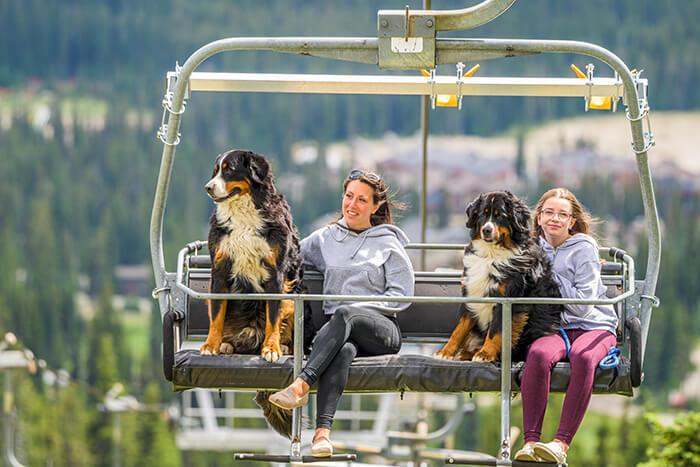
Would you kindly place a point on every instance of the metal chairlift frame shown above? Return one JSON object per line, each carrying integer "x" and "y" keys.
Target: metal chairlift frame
{"x": 407, "y": 40}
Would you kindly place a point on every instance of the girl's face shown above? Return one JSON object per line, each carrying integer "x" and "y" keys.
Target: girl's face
{"x": 358, "y": 205}
{"x": 556, "y": 219}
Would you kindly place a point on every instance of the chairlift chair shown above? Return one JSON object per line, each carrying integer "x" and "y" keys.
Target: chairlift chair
{"x": 406, "y": 40}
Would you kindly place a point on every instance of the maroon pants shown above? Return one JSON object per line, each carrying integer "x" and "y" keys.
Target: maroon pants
{"x": 587, "y": 350}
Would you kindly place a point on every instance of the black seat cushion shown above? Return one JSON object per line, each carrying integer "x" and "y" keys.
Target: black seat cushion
{"x": 386, "y": 373}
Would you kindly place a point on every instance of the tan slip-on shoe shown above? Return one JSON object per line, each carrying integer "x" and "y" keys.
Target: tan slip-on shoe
{"x": 286, "y": 399}
{"x": 321, "y": 448}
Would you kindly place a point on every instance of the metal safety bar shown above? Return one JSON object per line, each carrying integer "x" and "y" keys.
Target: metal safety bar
{"x": 179, "y": 283}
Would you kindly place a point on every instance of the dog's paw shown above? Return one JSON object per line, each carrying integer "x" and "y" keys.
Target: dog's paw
{"x": 271, "y": 353}
{"x": 225, "y": 348}
{"x": 270, "y": 356}
{"x": 442, "y": 355}
{"x": 209, "y": 349}
{"x": 483, "y": 357}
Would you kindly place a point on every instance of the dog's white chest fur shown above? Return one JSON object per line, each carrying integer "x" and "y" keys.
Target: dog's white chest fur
{"x": 482, "y": 276}
{"x": 244, "y": 244}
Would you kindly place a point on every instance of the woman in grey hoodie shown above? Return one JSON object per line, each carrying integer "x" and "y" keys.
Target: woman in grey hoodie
{"x": 562, "y": 226}
{"x": 362, "y": 253}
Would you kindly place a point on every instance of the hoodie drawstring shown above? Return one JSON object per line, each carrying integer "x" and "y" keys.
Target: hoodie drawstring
{"x": 345, "y": 231}
{"x": 363, "y": 237}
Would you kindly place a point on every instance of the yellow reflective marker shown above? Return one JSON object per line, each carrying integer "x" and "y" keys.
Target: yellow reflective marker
{"x": 471, "y": 71}
{"x": 596, "y": 102}
{"x": 446, "y": 100}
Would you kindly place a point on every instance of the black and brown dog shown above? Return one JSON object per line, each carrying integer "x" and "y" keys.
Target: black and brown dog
{"x": 254, "y": 248}
{"x": 502, "y": 260}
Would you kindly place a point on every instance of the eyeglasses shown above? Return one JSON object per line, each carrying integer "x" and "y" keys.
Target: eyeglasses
{"x": 357, "y": 174}
{"x": 548, "y": 213}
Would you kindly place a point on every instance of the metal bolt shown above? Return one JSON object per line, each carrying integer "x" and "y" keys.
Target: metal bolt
{"x": 429, "y": 23}
{"x": 385, "y": 23}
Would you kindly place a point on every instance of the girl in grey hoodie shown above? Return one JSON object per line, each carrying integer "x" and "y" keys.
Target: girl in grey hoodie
{"x": 362, "y": 253}
{"x": 562, "y": 226}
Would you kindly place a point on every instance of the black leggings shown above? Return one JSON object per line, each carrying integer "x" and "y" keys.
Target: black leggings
{"x": 349, "y": 333}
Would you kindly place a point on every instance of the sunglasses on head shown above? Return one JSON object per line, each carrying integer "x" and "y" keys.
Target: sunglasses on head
{"x": 357, "y": 174}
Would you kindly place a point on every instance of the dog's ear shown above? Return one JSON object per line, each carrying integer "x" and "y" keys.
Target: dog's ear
{"x": 521, "y": 217}
{"x": 473, "y": 211}
{"x": 216, "y": 164}
{"x": 259, "y": 168}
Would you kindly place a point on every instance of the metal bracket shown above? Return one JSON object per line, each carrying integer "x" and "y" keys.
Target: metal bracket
{"x": 158, "y": 291}
{"x": 504, "y": 452}
{"x": 406, "y": 40}
{"x": 460, "y": 72}
{"x": 167, "y": 103}
{"x": 643, "y": 115}
{"x": 655, "y": 301}
{"x": 589, "y": 82}
{"x": 404, "y": 24}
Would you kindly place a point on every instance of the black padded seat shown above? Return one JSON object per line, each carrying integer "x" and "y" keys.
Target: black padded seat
{"x": 386, "y": 373}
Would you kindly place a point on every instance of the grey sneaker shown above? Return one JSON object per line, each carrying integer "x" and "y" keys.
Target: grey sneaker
{"x": 550, "y": 452}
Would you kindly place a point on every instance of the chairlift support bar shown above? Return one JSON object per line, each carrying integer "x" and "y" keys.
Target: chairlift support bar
{"x": 400, "y": 85}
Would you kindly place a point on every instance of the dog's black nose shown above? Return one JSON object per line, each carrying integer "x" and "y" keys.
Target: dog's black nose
{"x": 487, "y": 230}
{"x": 209, "y": 189}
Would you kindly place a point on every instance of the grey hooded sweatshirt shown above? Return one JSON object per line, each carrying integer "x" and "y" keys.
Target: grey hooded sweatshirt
{"x": 372, "y": 262}
{"x": 577, "y": 271}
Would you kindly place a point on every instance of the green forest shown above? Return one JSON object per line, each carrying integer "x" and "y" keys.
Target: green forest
{"x": 81, "y": 84}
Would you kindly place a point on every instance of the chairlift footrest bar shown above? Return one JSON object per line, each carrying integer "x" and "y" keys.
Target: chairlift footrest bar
{"x": 480, "y": 459}
{"x": 244, "y": 456}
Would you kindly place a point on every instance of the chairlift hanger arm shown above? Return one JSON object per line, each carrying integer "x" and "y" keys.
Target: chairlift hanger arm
{"x": 446, "y": 20}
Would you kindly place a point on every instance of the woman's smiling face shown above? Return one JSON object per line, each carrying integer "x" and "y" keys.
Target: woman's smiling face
{"x": 358, "y": 205}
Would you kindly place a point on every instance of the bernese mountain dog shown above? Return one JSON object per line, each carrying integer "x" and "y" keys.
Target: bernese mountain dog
{"x": 502, "y": 260}
{"x": 254, "y": 248}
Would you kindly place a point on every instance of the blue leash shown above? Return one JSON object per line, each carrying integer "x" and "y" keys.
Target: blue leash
{"x": 566, "y": 341}
{"x": 611, "y": 360}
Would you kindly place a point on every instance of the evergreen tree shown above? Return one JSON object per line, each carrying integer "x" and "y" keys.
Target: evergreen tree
{"x": 675, "y": 445}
